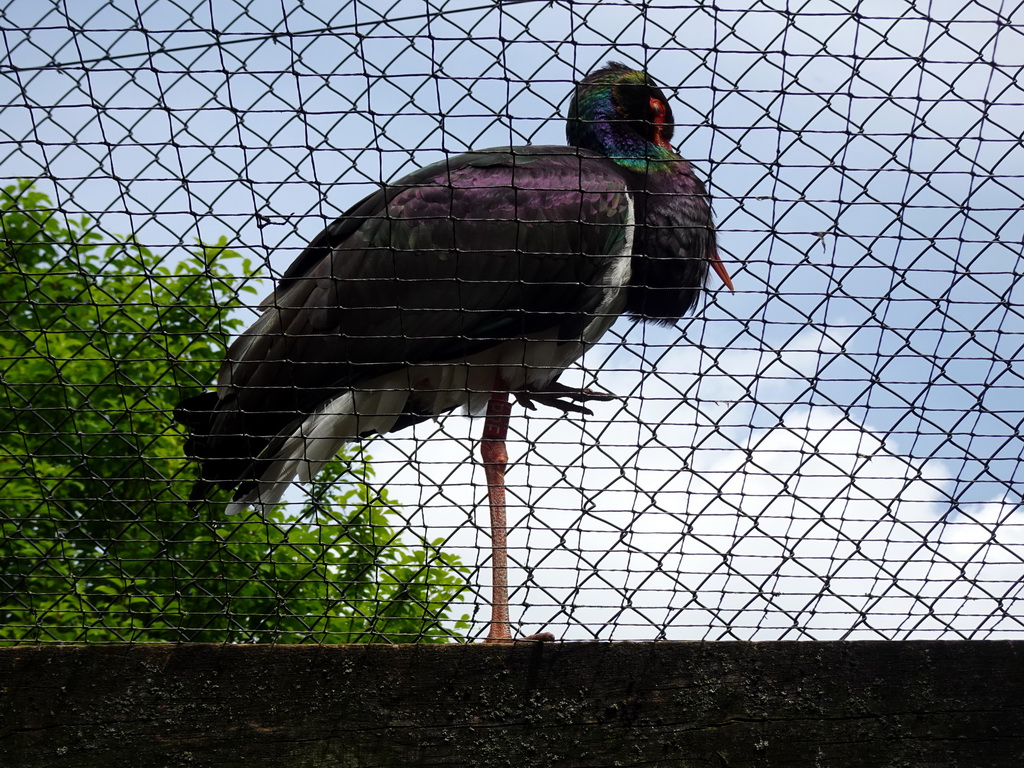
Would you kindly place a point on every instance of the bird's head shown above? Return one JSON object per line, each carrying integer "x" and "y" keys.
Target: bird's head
{"x": 620, "y": 112}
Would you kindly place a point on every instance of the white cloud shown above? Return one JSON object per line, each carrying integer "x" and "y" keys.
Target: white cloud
{"x": 675, "y": 520}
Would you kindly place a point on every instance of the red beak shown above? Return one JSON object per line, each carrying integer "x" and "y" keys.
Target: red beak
{"x": 719, "y": 267}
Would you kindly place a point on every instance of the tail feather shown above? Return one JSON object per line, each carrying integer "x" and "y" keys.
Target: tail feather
{"x": 196, "y": 414}
{"x": 220, "y": 441}
{"x": 261, "y": 467}
{"x": 316, "y": 440}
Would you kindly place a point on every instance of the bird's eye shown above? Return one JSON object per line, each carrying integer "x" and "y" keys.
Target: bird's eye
{"x": 658, "y": 111}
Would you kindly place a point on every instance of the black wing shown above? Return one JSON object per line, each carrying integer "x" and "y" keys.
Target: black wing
{"x": 483, "y": 248}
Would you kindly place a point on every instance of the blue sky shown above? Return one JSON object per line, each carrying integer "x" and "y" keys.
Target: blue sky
{"x": 840, "y": 433}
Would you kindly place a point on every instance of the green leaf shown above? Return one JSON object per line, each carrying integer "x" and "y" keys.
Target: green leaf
{"x": 99, "y": 339}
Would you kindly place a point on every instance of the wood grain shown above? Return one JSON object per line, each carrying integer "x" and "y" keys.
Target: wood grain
{"x": 724, "y": 705}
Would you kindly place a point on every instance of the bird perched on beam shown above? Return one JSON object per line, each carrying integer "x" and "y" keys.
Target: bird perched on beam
{"x": 468, "y": 282}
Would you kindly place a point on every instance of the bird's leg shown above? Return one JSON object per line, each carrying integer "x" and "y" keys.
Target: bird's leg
{"x": 564, "y": 398}
{"x": 495, "y": 459}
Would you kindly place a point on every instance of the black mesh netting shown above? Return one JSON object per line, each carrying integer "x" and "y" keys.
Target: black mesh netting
{"x": 832, "y": 451}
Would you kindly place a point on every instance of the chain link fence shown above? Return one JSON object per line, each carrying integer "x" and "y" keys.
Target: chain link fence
{"x": 831, "y": 452}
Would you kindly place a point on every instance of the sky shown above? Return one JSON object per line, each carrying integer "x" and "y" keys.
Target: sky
{"x": 832, "y": 451}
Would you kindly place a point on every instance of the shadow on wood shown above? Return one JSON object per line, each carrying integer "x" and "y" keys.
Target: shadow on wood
{"x": 719, "y": 705}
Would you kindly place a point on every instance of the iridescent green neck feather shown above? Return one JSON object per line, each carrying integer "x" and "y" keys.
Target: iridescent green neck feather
{"x": 611, "y": 113}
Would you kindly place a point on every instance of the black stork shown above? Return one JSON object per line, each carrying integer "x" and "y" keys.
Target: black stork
{"x": 471, "y": 280}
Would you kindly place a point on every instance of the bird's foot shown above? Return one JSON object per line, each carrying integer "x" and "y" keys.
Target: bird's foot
{"x": 540, "y": 637}
{"x": 565, "y": 399}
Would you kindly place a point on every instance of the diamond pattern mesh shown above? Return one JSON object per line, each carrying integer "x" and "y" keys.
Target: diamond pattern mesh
{"x": 832, "y": 451}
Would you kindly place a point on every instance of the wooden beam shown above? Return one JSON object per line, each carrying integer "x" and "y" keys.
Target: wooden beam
{"x": 560, "y": 704}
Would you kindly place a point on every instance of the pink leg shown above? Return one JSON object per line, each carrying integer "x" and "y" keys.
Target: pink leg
{"x": 495, "y": 459}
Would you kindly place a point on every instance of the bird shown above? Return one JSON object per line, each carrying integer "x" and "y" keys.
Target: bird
{"x": 465, "y": 284}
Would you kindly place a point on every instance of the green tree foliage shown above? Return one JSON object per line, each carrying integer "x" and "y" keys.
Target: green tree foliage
{"x": 98, "y": 342}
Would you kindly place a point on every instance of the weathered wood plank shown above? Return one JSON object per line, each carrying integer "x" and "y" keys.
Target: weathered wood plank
{"x": 697, "y": 705}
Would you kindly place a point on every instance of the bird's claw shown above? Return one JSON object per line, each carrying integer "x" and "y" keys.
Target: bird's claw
{"x": 565, "y": 399}
{"x": 540, "y": 637}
